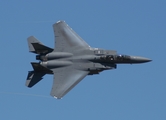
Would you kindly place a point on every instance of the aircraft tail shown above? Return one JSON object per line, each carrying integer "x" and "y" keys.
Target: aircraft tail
{"x": 39, "y": 68}
{"x": 36, "y": 75}
{"x": 35, "y": 46}
{"x": 33, "y": 78}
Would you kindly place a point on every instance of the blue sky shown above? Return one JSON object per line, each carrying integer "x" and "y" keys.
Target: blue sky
{"x": 131, "y": 92}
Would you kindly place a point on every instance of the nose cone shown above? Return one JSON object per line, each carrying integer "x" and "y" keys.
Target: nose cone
{"x": 137, "y": 59}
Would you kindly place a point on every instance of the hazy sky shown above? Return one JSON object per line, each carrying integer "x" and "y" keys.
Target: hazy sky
{"x": 131, "y": 92}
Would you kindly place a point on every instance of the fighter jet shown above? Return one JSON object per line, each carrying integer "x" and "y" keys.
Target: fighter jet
{"x": 71, "y": 60}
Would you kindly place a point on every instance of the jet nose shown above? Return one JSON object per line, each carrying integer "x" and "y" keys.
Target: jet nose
{"x": 137, "y": 59}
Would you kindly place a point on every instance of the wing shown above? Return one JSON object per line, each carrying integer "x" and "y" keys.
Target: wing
{"x": 66, "y": 38}
{"x": 65, "y": 79}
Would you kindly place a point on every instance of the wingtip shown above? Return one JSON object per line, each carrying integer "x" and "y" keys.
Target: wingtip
{"x": 60, "y": 21}
{"x": 57, "y": 98}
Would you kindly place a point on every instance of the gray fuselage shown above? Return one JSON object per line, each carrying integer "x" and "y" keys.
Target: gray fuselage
{"x": 93, "y": 60}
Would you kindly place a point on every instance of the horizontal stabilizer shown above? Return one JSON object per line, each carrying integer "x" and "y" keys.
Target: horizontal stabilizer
{"x": 37, "y": 47}
{"x": 39, "y": 68}
{"x": 33, "y": 78}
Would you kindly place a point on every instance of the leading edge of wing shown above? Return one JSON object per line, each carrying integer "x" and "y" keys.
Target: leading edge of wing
{"x": 65, "y": 79}
{"x": 66, "y": 38}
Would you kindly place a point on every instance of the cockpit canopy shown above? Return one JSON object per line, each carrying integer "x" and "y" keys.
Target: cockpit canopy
{"x": 115, "y": 57}
{"x": 122, "y": 57}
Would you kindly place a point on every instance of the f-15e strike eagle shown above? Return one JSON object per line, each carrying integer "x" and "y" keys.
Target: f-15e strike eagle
{"x": 71, "y": 60}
